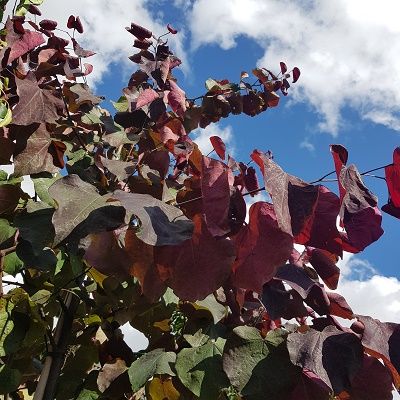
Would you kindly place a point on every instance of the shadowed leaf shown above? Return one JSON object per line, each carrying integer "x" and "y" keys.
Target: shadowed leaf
{"x": 335, "y": 357}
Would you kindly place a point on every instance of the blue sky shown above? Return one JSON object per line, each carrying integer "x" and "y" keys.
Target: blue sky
{"x": 348, "y": 92}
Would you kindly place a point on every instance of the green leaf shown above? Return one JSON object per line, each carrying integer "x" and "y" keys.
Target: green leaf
{"x": 200, "y": 369}
{"x": 42, "y": 296}
{"x": 3, "y": 175}
{"x": 86, "y": 394}
{"x": 12, "y": 264}
{"x": 121, "y": 104}
{"x": 217, "y": 310}
{"x": 9, "y": 379}
{"x": 6, "y": 230}
{"x": 259, "y": 367}
{"x": 77, "y": 200}
{"x": 6, "y": 326}
{"x": 24, "y": 5}
{"x": 41, "y": 183}
{"x": 155, "y": 362}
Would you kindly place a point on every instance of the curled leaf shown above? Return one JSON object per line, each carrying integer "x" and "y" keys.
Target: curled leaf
{"x": 171, "y": 29}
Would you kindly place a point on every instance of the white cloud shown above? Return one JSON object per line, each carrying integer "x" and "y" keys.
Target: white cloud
{"x": 104, "y": 23}
{"x": 347, "y": 50}
{"x": 27, "y": 183}
{"x": 202, "y": 138}
{"x": 134, "y": 338}
{"x": 368, "y": 292}
{"x": 306, "y": 144}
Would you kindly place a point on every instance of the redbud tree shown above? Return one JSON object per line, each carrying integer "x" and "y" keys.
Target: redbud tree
{"x": 130, "y": 223}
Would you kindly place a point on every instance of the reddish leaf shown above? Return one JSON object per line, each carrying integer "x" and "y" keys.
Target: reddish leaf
{"x": 282, "y": 303}
{"x": 359, "y": 212}
{"x": 391, "y": 210}
{"x": 177, "y": 99}
{"x": 218, "y": 146}
{"x": 340, "y": 156}
{"x": 140, "y": 32}
{"x": 335, "y": 357}
{"x": 160, "y": 223}
{"x": 392, "y": 174}
{"x": 34, "y": 10}
{"x": 142, "y": 266}
{"x": 9, "y": 197}
{"x": 146, "y": 97}
{"x": 35, "y": 104}
{"x": 326, "y": 268}
{"x": 48, "y": 24}
{"x": 296, "y": 74}
{"x": 373, "y": 381}
{"x": 142, "y": 44}
{"x": 20, "y": 45}
{"x": 293, "y": 199}
{"x": 261, "y": 248}
{"x": 250, "y": 181}
{"x": 311, "y": 291}
{"x": 71, "y": 22}
{"x": 171, "y": 29}
{"x": 198, "y": 266}
{"x": 382, "y": 340}
{"x": 310, "y": 387}
{"x": 32, "y": 154}
{"x": 80, "y": 51}
{"x": 7, "y": 147}
{"x": 283, "y": 67}
{"x": 339, "y": 307}
{"x": 216, "y": 182}
{"x": 78, "y": 25}
{"x": 320, "y": 229}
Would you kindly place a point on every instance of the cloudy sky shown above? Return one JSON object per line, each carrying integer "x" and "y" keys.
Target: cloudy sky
{"x": 348, "y": 93}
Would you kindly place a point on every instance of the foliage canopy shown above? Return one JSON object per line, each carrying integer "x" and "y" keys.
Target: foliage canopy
{"x": 131, "y": 223}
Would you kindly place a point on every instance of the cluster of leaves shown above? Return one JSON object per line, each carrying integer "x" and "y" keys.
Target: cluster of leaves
{"x": 131, "y": 223}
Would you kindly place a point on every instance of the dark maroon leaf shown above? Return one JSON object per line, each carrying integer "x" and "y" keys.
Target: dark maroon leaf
{"x": 296, "y": 74}
{"x": 282, "y": 303}
{"x": 160, "y": 223}
{"x": 391, "y": 210}
{"x": 218, "y": 146}
{"x": 339, "y": 307}
{"x": 48, "y": 24}
{"x": 34, "y": 10}
{"x": 36, "y": 105}
{"x": 325, "y": 265}
{"x": 359, "y": 212}
{"x": 71, "y": 22}
{"x": 335, "y": 357}
{"x": 382, "y": 340}
{"x": 171, "y": 29}
{"x": 18, "y": 26}
{"x": 283, "y": 67}
{"x": 198, "y": 266}
{"x": 78, "y": 25}
{"x": 320, "y": 229}
{"x": 32, "y": 154}
{"x": 365, "y": 386}
{"x": 6, "y": 150}
{"x": 142, "y": 44}
{"x": 251, "y": 104}
{"x": 261, "y": 247}
{"x": 216, "y": 182}
{"x": 251, "y": 181}
{"x": 392, "y": 174}
{"x": 9, "y": 197}
{"x": 311, "y": 291}
{"x": 310, "y": 387}
{"x": 294, "y": 200}
{"x": 138, "y": 31}
{"x": 340, "y": 156}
